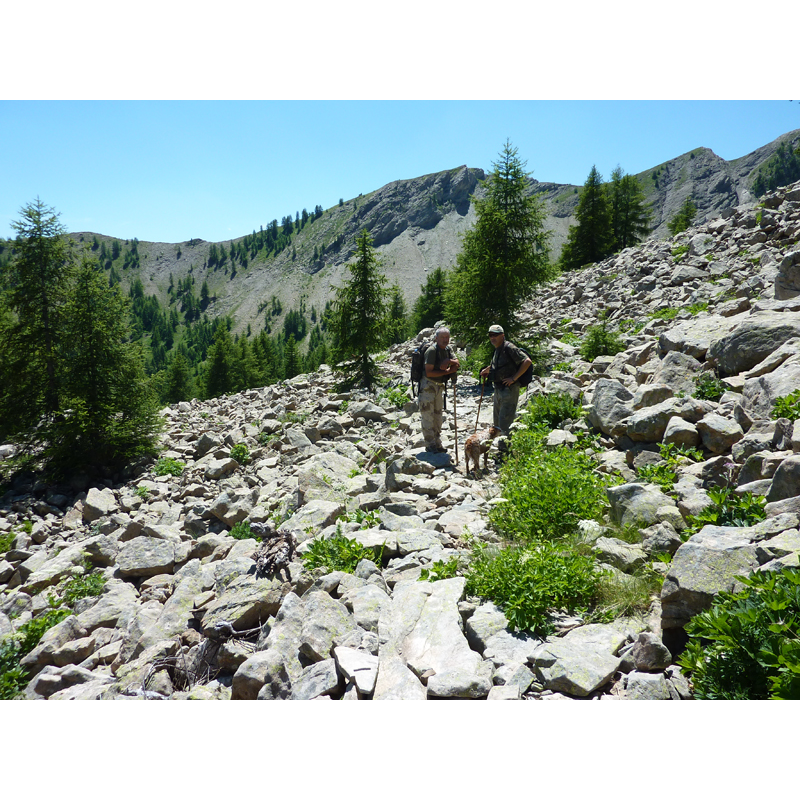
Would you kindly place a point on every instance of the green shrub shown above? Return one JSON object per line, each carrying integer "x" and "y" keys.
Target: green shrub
{"x": 241, "y": 530}
{"x": 142, "y": 491}
{"x": 679, "y": 252}
{"x": 662, "y": 475}
{"x": 366, "y": 519}
{"x": 600, "y": 341}
{"x": 168, "y": 466}
{"x": 787, "y": 407}
{"x": 441, "y": 570}
{"x": 338, "y": 553}
{"x": 672, "y": 452}
{"x": 550, "y": 410}
{"x": 395, "y": 398}
{"x": 13, "y": 677}
{"x": 664, "y": 313}
{"x": 620, "y": 594}
{"x": 241, "y": 453}
{"x": 530, "y": 582}
{"x": 89, "y": 585}
{"x": 708, "y": 387}
{"x": 547, "y": 491}
{"x": 747, "y": 645}
{"x": 730, "y": 510}
{"x": 7, "y": 541}
{"x": 697, "y": 308}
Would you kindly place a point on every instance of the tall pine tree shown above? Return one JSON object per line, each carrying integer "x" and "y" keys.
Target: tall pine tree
{"x": 359, "y": 311}
{"x": 504, "y": 256}
{"x": 630, "y": 217}
{"x": 592, "y": 239}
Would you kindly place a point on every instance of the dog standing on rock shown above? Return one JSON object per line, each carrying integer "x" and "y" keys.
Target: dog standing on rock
{"x": 477, "y": 444}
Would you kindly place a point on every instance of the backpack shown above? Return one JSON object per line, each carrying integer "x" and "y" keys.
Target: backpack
{"x": 527, "y": 376}
{"x": 418, "y": 363}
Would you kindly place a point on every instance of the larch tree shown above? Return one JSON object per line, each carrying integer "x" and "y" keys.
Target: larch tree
{"x": 630, "y": 217}
{"x": 358, "y": 316}
{"x": 592, "y": 239}
{"x": 504, "y": 256}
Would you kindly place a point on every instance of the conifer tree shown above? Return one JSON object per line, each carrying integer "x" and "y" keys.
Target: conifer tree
{"x": 684, "y": 218}
{"x": 504, "y": 256}
{"x": 359, "y": 311}
{"x": 396, "y": 317}
{"x": 178, "y": 379}
{"x": 37, "y": 287}
{"x": 429, "y": 306}
{"x": 111, "y": 414}
{"x": 219, "y": 364}
{"x": 629, "y": 214}
{"x": 291, "y": 358}
{"x": 592, "y": 239}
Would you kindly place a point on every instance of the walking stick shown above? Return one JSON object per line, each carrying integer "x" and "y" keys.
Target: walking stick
{"x": 455, "y": 420}
{"x": 480, "y": 400}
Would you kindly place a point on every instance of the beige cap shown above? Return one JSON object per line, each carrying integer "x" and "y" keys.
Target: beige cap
{"x": 496, "y": 329}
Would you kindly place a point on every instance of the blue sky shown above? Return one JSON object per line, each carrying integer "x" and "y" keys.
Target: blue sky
{"x": 167, "y": 125}
{"x": 170, "y": 171}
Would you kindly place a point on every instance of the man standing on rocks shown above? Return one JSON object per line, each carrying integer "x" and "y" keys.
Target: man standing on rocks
{"x": 508, "y": 363}
{"x": 440, "y": 366}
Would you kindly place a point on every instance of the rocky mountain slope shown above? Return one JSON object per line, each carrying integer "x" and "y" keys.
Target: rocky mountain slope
{"x": 416, "y": 226}
{"x": 189, "y": 611}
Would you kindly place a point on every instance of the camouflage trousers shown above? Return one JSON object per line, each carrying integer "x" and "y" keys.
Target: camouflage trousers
{"x": 431, "y": 407}
{"x": 505, "y": 406}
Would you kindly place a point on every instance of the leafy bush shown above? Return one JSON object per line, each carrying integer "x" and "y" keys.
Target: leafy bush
{"x": 441, "y": 570}
{"x": 7, "y": 541}
{"x": 697, "y": 308}
{"x": 88, "y": 585}
{"x": 366, "y": 519}
{"x": 338, "y": 553}
{"x": 530, "y": 582}
{"x": 671, "y": 452}
{"x": 600, "y": 341}
{"x": 662, "y": 475}
{"x": 664, "y": 313}
{"x": 142, "y": 491}
{"x": 547, "y": 491}
{"x": 241, "y": 453}
{"x": 708, "y": 387}
{"x": 13, "y": 677}
{"x": 787, "y": 407}
{"x": 730, "y": 510}
{"x": 168, "y": 466}
{"x": 396, "y": 398}
{"x": 550, "y": 410}
{"x": 747, "y": 645}
{"x": 241, "y": 530}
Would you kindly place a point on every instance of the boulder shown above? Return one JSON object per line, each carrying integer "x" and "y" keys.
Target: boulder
{"x": 753, "y": 339}
{"x": 641, "y": 504}
{"x": 786, "y": 480}
{"x": 612, "y": 403}
{"x": 718, "y": 433}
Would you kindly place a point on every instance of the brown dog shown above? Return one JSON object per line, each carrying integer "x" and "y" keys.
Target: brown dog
{"x": 478, "y": 443}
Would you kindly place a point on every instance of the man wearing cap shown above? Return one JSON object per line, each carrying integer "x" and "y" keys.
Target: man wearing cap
{"x": 440, "y": 367}
{"x": 508, "y": 363}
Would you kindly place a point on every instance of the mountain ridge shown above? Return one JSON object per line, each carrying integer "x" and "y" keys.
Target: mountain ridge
{"x": 416, "y": 225}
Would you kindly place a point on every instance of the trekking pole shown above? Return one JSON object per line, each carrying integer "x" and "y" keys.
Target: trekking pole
{"x": 480, "y": 400}
{"x": 455, "y": 420}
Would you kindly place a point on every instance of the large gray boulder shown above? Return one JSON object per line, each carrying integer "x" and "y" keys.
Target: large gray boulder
{"x": 612, "y": 403}
{"x": 246, "y": 602}
{"x": 753, "y": 340}
{"x": 694, "y": 337}
{"x": 786, "y": 480}
{"x": 707, "y": 564}
{"x": 326, "y": 620}
{"x": 677, "y": 371}
{"x": 650, "y": 424}
{"x": 641, "y": 504}
{"x": 581, "y": 662}
{"x": 759, "y": 394}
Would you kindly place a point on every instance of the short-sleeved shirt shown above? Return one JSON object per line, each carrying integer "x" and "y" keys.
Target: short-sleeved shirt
{"x": 434, "y": 356}
{"x": 506, "y": 361}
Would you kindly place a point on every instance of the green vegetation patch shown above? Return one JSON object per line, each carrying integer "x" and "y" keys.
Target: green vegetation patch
{"x": 168, "y": 466}
{"x": 548, "y": 491}
{"x": 338, "y": 553}
{"x": 787, "y": 407}
{"x": 747, "y": 645}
